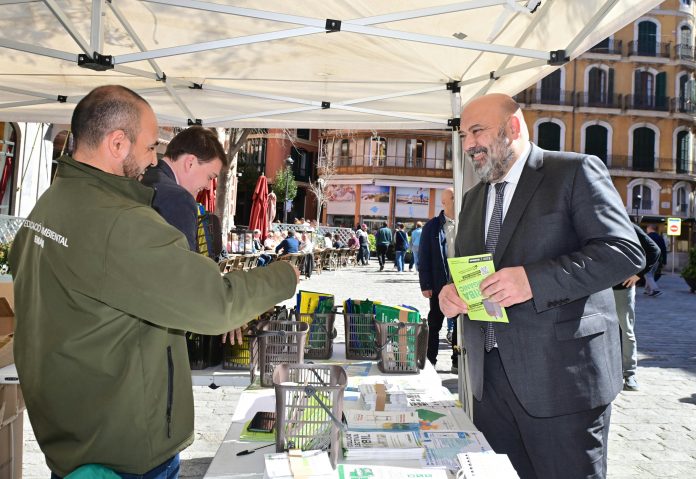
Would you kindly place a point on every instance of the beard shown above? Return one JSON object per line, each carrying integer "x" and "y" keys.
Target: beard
{"x": 131, "y": 168}
{"x": 496, "y": 161}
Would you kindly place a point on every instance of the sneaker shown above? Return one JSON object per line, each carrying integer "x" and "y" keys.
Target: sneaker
{"x": 656, "y": 293}
{"x": 631, "y": 384}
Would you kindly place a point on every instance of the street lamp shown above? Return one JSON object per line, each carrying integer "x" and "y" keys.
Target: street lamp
{"x": 289, "y": 162}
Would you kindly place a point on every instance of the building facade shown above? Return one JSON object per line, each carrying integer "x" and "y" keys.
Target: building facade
{"x": 630, "y": 100}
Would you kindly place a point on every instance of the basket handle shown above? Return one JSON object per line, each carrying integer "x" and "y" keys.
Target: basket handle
{"x": 259, "y": 334}
{"x": 312, "y": 391}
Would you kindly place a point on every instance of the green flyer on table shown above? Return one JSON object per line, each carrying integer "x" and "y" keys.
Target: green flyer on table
{"x": 467, "y": 273}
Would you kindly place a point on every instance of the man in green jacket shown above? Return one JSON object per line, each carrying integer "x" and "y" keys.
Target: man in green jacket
{"x": 104, "y": 289}
{"x": 383, "y": 240}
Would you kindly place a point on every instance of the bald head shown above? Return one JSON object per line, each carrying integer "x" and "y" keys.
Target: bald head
{"x": 493, "y": 134}
{"x": 448, "y": 202}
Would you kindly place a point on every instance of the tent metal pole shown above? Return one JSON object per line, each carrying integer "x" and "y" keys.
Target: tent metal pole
{"x": 96, "y": 39}
{"x": 18, "y": 104}
{"x": 46, "y": 52}
{"x": 129, "y": 29}
{"x": 69, "y": 27}
{"x": 221, "y": 120}
{"x": 446, "y": 42}
{"x": 136, "y": 72}
{"x": 426, "y": 12}
{"x": 519, "y": 68}
{"x": 265, "y": 96}
{"x": 394, "y": 95}
{"x": 434, "y": 121}
{"x": 590, "y": 27}
{"x": 180, "y": 103}
{"x": 27, "y": 92}
{"x": 217, "y": 44}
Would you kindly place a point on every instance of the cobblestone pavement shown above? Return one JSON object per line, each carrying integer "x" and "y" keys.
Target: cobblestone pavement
{"x": 653, "y": 431}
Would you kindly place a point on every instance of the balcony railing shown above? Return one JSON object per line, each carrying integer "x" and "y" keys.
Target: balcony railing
{"x": 647, "y": 102}
{"x": 609, "y": 47}
{"x": 599, "y": 100}
{"x": 682, "y": 105}
{"x": 649, "y": 49}
{"x": 660, "y": 165}
{"x": 682, "y": 165}
{"x": 552, "y": 97}
{"x": 684, "y": 51}
{"x": 393, "y": 165}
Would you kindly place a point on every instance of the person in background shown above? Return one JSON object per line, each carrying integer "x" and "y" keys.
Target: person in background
{"x": 105, "y": 296}
{"x": 625, "y": 299}
{"x": 337, "y": 243}
{"x": 307, "y": 247}
{"x": 414, "y": 244}
{"x": 192, "y": 159}
{"x": 288, "y": 245}
{"x": 364, "y": 245}
{"x": 259, "y": 249}
{"x": 543, "y": 382}
{"x": 353, "y": 241}
{"x": 651, "y": 287}
{"x": 436, "y": 245}
{"x": 383, "y": 240}
{"x": 328, "y": 240}
{"x": 400, "y": 246}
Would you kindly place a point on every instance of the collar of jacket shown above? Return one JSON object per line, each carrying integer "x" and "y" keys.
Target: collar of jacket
{"x": 164, "y": 167}
{"x": 131, "y": 188}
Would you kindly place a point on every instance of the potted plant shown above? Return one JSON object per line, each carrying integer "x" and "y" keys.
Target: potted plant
{"x": 689, "y": 271}
{"x": 4, "y": 253}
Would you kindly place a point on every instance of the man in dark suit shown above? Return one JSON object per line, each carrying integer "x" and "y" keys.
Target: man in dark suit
{"x": 560, "y": 237}
{"x": 192, "y": 159}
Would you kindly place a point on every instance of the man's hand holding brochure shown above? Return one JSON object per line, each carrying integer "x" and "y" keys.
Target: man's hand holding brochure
{"x": 467, "y": 273}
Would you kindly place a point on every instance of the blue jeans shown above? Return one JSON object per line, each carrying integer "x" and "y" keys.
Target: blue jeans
{"x": 414, "y": 252}
{"x": 399, "y": 260}
{"x": 167, "y": 470}
{"x": 626, "y": 311}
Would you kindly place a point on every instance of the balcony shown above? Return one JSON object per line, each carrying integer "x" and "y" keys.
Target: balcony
{"x": 682, "y": 105}
{"x": 394, "y": 166}
{"x": 684, "y": 51}
{"x": 657, "y": 165}
{"x": 649, "y": 49}
{"x": 599, "y": 100}
{"x": 682, "y": 165}
{"x": 608, "y": 47}
{"x": 647, "y": 102}
{"x": 552, "y": 97}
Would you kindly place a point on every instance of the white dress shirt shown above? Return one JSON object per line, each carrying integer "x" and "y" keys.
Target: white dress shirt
{"x": 513, "y": 178}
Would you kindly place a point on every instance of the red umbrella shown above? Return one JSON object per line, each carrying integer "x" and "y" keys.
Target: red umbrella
{"x": 259, "y": 207}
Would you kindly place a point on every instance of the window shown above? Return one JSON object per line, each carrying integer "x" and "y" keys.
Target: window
{"x": 600, "y": 87}
{"x": 641, "y": 199}
{"x": 683, "y": 152}
{"x": 378, "y": 146}
{"x": 344, "y": 156}
{"x": 684, "y": 47}
{"x": 596, "y": 143}
{"x": 551, "y": 88}
{"x": 415, "y": 151}
{"x": 686, "y": 2}
{"x": 647, "y": 39}
{"x": 681, "y": 200}
{"x": 549, "y": 136}
{"x": 303, "y": 134}
{"x": 649, "y": 90}
{"x": 302, "y": 160}
{"x": 643, "y": 149}
{"x": 253, "y": 154}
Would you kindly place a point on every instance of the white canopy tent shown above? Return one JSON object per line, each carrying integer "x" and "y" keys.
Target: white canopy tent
{"x": 363, "y": 64}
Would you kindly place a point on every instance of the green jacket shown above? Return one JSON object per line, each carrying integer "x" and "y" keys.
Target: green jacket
{"x": 104, "y": 289}
{"x": 384, "y": 236}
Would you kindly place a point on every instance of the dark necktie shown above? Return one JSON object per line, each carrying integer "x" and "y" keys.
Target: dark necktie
{"x": 494, "y": 227}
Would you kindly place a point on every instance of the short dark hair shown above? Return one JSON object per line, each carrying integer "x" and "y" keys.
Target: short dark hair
{"x": 384, "y": 224}
{"x": 200, "y": 142}
{"x": 104, "y": 110}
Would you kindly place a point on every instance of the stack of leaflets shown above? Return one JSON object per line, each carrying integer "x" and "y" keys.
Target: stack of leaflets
{"x": 382, "y": 397}
{"x": 359, "y": 420}
{"x": 298, "y": 464}
{"x": 359, "y": 306}
{"x": 385, "y": 446}
{"x": 309, "y": 302}
{"x": 355, "y": 471}
{"x": 486, "y": 465}
{"x": 395, "y": 314}
{"x": 441, "y": 448}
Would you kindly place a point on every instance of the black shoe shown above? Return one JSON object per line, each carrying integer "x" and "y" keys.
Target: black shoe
{"x": 656, "y": 293}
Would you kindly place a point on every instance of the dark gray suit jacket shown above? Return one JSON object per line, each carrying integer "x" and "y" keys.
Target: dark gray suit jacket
{"x": 568, "y": 228}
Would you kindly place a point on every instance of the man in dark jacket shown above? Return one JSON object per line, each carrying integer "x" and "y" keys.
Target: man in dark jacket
{"x": 289, "y": 245}
{"x": 192, "y": 159}
{"x": 625, "y": 298}
{"x": 383, "y": 240}
{"x": 433, "y": 271}
{"x": 653, "y": 274}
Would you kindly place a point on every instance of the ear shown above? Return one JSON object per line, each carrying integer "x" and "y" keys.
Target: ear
{"x": 514, "y": 126}
{"x": 188, "y": 161}
{"x": 118, "y": 144}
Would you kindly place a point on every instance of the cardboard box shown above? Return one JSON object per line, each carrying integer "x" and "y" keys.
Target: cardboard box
{"x": 11, "y": 431}
{"x": 7, "y": 322}
{"x": 12, "y": 448}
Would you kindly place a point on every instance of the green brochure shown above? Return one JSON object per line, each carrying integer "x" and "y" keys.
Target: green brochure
{"x": 467, "y": 273}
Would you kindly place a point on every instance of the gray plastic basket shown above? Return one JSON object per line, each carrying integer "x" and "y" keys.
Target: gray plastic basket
{"x": 361, "y": 336}
{"x": 319, "y": 344}
{"x": 309, "y": 407}
{"x": 402, "y": 347}
{"x": 280, "y": 342}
